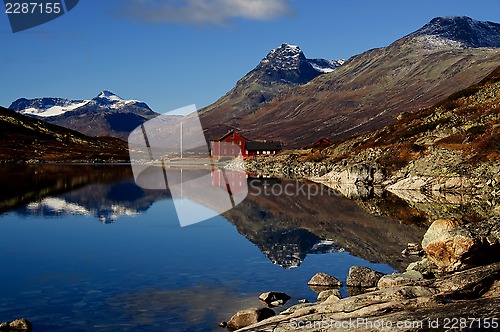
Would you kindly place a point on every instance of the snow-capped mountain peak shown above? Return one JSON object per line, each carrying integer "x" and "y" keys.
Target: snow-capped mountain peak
{"x": 111, "y": 100}
{"x": 458, "y": 32}
{"x": 109, "y": 95}
{"x": 288, "y": 64}
{"x": 285, "y": 57}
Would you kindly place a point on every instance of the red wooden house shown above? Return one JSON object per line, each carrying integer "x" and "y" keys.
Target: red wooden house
{"x": 232, "y": 144}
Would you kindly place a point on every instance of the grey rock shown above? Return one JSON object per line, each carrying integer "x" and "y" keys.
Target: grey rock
{"x": 425, "y": 267}
{"x": 415, "y": 275}
{"x": 324, "y": 295}
{"x": 360, "y": 276}
{"x": 325, "y": 280}
{"x": 393, "y": 280}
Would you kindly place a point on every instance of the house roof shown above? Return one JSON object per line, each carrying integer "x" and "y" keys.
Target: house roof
{"x": 263, "y": 146}
{"x": 230, "y": 132}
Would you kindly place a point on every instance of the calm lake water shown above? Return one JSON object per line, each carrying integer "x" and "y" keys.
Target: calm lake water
{"x": 83, "y": 248}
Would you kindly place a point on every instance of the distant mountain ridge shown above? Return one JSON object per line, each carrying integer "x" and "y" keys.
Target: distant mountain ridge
{"x": 105, "y": 115}
{"x": 24, "y": 139}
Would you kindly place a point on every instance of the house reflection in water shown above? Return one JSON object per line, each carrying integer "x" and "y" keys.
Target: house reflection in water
{"x": 233, "y": 181}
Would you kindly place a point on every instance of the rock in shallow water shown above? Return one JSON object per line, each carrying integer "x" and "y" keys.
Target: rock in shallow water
{"x": 21, "y": 324}
{"x": 325, "y": 280}
{"x": 274, "y": 299}
{"x": 248, "y": 317}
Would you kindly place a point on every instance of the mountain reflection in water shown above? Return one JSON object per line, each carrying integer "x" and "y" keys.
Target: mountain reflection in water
{"x": 287, "y": 223}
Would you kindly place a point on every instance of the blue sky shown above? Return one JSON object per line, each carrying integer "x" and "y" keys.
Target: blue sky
{"x": 172, "y": 53}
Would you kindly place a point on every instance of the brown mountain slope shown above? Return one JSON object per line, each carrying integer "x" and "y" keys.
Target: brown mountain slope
{"x": 467, "y": 122}
{"x": 459, "y": 133}
{"x": 24, "y": 139}
{"x": 366, "y": 93}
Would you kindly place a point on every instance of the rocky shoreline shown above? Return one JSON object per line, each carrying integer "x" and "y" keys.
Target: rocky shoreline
{"x": 456, "y": 285}
{"x": 428, "y": 184}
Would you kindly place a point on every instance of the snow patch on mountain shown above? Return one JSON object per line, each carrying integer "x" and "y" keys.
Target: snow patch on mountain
{"x": 325, "y": 66}
{"x": 54, "y": 110}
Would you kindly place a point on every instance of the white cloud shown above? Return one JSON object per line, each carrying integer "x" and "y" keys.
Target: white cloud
{"x": 206, "y": 12}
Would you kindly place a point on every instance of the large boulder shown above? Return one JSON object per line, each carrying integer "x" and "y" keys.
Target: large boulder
{"x": 360, "y": 276}
{"x": 248, "y": 317}
{"x": 454, "y": 245}
{"x": 324, "y": 280}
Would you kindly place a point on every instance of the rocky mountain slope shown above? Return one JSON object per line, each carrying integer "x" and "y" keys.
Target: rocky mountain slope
{"x": 105, "y": 115}
{"x": 27, "y": 140}
{"x": 282, "y": 68}
{"x": 371, "y": 89}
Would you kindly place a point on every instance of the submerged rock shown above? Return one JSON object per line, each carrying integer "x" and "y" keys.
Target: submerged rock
{"x": 248, "y": 317}
{"x": 274, "y": 299}
{"x": 21, "y": 324}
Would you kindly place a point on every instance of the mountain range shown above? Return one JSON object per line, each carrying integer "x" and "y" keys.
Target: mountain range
{"x": 105, "y": 115}
{"x": 296, "y": 100}
{"x": 368, "y": 91}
